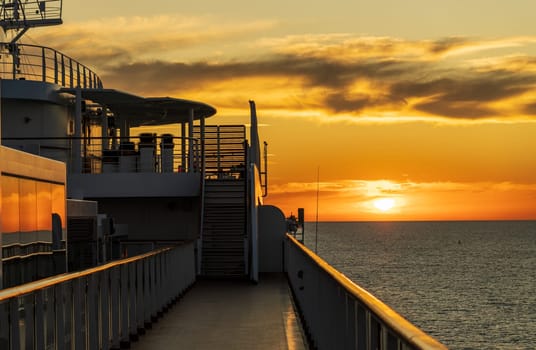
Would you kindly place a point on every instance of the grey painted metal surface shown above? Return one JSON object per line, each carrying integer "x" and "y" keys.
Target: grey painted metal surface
{"x": 103, "y": 307}
{"x": 338, "y": 314}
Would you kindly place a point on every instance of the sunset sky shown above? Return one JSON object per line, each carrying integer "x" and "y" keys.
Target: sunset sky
{"x": 407, "y": 110}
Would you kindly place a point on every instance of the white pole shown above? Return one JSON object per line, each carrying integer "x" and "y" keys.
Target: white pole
{"x": 317, "y": 191}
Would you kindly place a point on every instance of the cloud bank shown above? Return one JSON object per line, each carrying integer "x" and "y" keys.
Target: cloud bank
{"x": 331, "y": 75}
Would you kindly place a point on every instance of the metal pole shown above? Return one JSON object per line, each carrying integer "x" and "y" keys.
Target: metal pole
{"x": 317, "y": 191}
{"x": 190, "y": 140}
{"x": 183, "y": 146}
{"x": 76, "y": 158}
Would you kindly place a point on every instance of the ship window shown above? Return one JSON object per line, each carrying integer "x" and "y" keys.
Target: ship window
{"x": 28, "y": 210}
{"x": 10, "y": 205}
{"x": 44, "y": 211}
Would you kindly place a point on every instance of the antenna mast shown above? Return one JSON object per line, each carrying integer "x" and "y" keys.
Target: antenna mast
{"x": 18, "y": 16}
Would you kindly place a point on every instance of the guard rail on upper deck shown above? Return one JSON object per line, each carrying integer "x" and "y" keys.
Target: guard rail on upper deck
{"x": 338, "y": 314}
{"x": 99, "y": 308}
{"x": 153, "y": 154}
{"x": 40, "y": 63}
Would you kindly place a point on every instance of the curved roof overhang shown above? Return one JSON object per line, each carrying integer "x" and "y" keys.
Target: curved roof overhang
{"x": 142, "y": 111}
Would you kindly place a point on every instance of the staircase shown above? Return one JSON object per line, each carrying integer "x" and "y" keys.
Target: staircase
{"x": 224, "y": 238}
{"x": 224, "y": 229}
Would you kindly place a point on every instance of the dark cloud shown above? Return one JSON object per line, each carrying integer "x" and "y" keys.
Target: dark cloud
{"x": 444, "y": 45}
{"x": 453, "y": 93}
{"x": 530, "y": 109}
{"x": 488, "y": 86}
{"x": 465, "y": 110}
{"x": 342, "y": 104}
{"x": 465, "y": 97}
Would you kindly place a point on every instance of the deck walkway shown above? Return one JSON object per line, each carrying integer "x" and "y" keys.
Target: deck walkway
{"x": 229, "y": 315}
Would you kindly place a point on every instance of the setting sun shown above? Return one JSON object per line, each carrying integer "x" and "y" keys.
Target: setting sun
{"x": 384, "y": 204}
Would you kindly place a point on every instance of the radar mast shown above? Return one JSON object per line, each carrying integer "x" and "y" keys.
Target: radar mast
{"x": 17, "y": 16}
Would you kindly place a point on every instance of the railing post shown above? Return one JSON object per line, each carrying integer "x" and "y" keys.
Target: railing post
{"x": 114, "y": 293}
{"x": 55, "y": 67}
{"x": 105, "y": 309}
{"x": 39, "y": 320}
{"x": 146, "y": 294}
{"x": 50, "y": 311}
{"x": 124, "y": 304}
{"x": 78, "y": 74}
{"x": 43, "y": 64}
{"x": 133, "y": 330}
{"x": 183, "y": 146}
{"x": 5, "y": 326}
{"x": 76, "y": 159}
{"x": 78, "y": 310}
{"x": 63, "y": 70}
{"x": 14, "y": 313}
{"x": 191, "y": 167}
{"x": 28, "y": 305}
{"x": 92, "y": 310}
{"x": 85, "y": 77}
{"x": 71, "y": 73}
{"x": 60, "y": 318}
{"x": 139, "y": 297}
{"x": 158, "y": 286}
{"x": 68, "y": 310}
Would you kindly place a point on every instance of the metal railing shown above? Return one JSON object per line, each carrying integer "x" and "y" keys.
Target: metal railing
{"x": 100, "y": 308}
{"x": 15, "y": 14}
{"x": 117, "y": 155}
{"x": 40, "y": 63}
{"x": 338, "y": 314}
{"x": 161, "y": 154}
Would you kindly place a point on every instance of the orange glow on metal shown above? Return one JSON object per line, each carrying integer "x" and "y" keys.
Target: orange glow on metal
{"x": 395, "y": 321}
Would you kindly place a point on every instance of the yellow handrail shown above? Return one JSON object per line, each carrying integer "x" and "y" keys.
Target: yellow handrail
{"x": 48, "y": 282}
{"x": 407, "y": 331}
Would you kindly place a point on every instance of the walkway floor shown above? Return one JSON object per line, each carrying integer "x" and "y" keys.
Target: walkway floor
{"x": 229, "y": 315}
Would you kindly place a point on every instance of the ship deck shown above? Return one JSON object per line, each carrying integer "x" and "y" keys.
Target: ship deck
{"x": 230, "y": 315}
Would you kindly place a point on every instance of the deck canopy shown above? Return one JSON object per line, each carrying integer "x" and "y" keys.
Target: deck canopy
{"x": 142, "y": 111}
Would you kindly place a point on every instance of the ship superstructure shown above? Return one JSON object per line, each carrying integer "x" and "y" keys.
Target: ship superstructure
{"x": 168, "y": 208}
{"x": 191, "y": 184}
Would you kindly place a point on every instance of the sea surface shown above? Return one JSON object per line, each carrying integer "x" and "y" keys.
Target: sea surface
{"x": 471, "y": 285}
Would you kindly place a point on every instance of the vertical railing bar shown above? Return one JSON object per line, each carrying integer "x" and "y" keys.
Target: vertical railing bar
{"x": 14, "y": 323}
{"x": 114, "y": 303}
{"x": 78, "y": 311}
{"x": 60, "y": 316}
{"x": 62, "y": 70}
{"x": 105, "y": 309}
{"x": 133, "y": 330}
{"x": 140, "y": 282}
{"x": 40, "y": 320}
{"x": 71, "y": 73}
{"x": 84, "y": 76}
{"x": 146, "y": 295}
{"x": 55, "y": 67}
{"x": 77, "y": 74}
{"x": 124, "y": 304}
{"x": 28, "y": 302}
{"x": 5, "y": 327}
{"x": 92, "y": 309}
{"x": 43, "y": 65}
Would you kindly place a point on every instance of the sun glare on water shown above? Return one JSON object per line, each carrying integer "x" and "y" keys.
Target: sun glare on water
{"x": 384, "y": 204}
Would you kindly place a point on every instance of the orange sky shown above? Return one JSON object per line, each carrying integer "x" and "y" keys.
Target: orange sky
{"x": 437, "y": 115}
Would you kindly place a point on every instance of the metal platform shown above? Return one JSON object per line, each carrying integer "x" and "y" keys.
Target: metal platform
{"x": 220, "y": 314}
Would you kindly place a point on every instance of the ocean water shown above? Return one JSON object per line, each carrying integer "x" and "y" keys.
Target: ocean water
{"x": 471, "y": 285}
